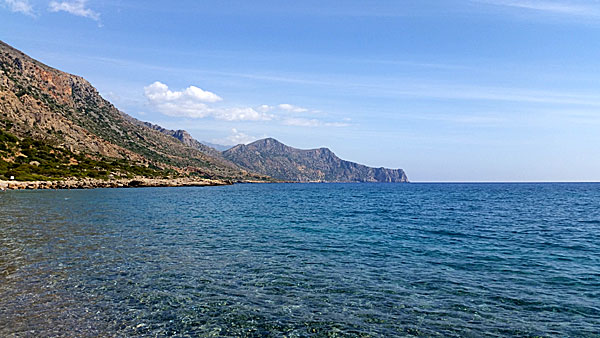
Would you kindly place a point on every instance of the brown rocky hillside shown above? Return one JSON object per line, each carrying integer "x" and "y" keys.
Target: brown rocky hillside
{"x": 66, "y": 112}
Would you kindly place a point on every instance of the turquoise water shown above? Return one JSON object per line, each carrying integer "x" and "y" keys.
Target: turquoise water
{"x": 302, "y": 260}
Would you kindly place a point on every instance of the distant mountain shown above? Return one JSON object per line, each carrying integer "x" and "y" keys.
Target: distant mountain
{"x": 273, "y": 158}
{"x": 63, "y": 121}
{"x": 219, "y": 147}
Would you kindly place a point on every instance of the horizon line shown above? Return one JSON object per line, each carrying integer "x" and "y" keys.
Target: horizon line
{"x": 487, "y": 182}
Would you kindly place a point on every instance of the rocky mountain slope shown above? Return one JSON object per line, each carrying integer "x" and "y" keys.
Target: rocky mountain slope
{"x": 187, "y": 139}
{"x": 67, "y": 114}
{"x": 273, "y": 158}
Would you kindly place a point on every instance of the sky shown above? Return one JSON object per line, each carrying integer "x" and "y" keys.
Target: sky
{"x": 449, "y": 90}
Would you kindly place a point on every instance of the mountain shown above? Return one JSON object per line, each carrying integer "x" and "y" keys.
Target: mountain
{"x": 67, "y": 128}
{"x": 187, "y": 139}
{"x": 273, "y": 158}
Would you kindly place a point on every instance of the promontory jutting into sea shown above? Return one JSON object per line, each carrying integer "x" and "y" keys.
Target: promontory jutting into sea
{"x": 237, "y": 168}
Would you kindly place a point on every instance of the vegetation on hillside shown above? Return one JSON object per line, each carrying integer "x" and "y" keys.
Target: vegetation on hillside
{"x": 29, "y": 160}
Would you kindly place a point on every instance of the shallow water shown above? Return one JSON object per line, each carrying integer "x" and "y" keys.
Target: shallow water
{"x": 302, "y": 260}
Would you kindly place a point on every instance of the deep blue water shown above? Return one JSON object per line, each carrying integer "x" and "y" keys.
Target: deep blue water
{"x": 302, "y": 260}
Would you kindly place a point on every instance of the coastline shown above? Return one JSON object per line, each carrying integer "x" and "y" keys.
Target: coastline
{"x": 138, "y": 182}
{"x": 88, "y": 183}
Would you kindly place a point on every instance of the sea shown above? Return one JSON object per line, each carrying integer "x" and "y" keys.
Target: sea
{"x": 302, "y": 260}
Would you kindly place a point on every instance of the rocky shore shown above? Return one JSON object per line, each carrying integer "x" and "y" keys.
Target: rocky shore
{"x": 116, "y": 183}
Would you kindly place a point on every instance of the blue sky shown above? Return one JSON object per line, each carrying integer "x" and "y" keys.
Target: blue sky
{"x": 472, "y": 90}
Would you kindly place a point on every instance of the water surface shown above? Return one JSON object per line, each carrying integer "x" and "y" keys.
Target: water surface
{"x": 302, "y": 260}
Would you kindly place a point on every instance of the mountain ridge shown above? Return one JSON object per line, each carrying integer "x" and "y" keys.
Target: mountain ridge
{"x": 187, "y": 139}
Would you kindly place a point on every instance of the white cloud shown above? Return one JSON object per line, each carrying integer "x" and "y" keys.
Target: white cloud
{"x": 236, "y": 138}
{"x": 193, "y": 102}
{"x": 286, "y": 107}
{"x": 75, "y": 7}
{"x": 199, "y": 94}
{"x": 301, "y": 122}
{"x": 560, "y": 7}
{"x": 240, "y": 114}
{"x": 159, "y": 92}
{"x": 19, "y": 6}
{"x": 265, "y": 108}
{"x": 292, "y": 108}
{"x": 336, "y": 124}
{"x": 183, "y": 109}
{"x": 187, "y": 103}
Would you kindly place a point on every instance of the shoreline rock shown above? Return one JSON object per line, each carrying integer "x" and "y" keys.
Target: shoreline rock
{"x": 138, "y": 182}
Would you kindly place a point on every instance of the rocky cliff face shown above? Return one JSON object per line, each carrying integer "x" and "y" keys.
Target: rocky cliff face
{"x": 273, "y": 158}
{"x": 187, "y": 139}
{"x": 65, "y": 111}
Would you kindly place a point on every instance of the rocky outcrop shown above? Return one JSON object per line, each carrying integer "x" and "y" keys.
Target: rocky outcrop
{"x": 273, "y": 158}
{"x": 187, "y": 139}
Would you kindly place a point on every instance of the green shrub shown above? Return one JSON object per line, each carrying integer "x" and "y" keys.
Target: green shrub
{"x": 54, "y": 162}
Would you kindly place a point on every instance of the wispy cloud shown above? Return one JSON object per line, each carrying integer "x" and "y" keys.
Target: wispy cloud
{"x": 387, "y": 87}
{"x": 559, "y": 7}
{"x": 286, "y": 107}
{"x": 500, "y": 94}
{"x": 292, "y": 108}
{"x": 75, "y": 7}
{"x": 19, "y": 6}
{"x": 478, "y": 120}
{"x": 302, "y": 122}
